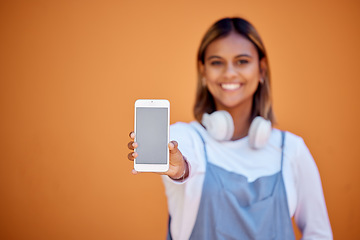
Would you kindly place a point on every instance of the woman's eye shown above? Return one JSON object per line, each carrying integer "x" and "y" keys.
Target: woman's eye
{"x": 216, "y": 63}
{"x": 242, "y": 61}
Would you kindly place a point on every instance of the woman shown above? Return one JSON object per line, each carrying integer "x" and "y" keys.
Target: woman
{"x": 239, "y": 186}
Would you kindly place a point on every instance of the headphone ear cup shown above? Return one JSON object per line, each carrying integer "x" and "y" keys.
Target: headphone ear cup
{"x": 219, "y": 125}
{"x": 259, "y": 132}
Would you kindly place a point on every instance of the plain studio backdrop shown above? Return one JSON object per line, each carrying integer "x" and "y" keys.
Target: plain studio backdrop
{"x": 70, "y": 72}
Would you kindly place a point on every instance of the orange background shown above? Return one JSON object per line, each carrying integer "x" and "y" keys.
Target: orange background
{"x": 70, "y": 72}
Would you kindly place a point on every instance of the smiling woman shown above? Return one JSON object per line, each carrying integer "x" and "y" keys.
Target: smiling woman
{"x": 250, "y": 182}
{"x": 229, "y": 53}
{"x": 231, "y": 72}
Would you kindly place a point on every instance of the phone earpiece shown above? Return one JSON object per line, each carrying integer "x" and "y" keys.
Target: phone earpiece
{"x": 220, "y": 126}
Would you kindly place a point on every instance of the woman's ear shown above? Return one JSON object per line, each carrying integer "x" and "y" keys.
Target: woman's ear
{"x": 201, "y": 68}
{"x": 263, "y": 67}
{"x": 202, "y": 73}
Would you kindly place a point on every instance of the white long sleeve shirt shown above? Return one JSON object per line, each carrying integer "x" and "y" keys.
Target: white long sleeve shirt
{"x": 301, "y": 177}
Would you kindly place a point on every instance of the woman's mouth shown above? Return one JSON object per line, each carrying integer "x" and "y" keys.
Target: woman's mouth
{"x": 230, "y": 86}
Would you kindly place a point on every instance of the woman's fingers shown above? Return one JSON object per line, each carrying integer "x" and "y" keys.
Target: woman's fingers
{"x": 132, "y": 156}
{"x": 173, "y": 147}
{"x": 132, "y": 145}
{"x": 177, "y": 162}
{"x": 132, "y": 135}
{"x": 176, "y": 156}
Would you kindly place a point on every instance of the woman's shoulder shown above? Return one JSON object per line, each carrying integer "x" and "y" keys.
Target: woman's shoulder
{"x": 296, "y": 150}
{"x": 180, "y": 127}
{"x": 184, "y": 130}
{"x": 290, "y": 137}
{"x": 293, "y": 138}
{"x": 293, "y": 142}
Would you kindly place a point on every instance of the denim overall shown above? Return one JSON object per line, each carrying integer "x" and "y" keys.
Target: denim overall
{"x": 233, "y": 208}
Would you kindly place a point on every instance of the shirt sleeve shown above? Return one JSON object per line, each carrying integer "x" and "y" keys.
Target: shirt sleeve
{"x": 311, "y": 214}
{"x": 184, "y": 197}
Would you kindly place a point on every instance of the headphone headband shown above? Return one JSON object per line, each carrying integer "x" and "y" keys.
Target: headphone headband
{"x": 220, "y": 126}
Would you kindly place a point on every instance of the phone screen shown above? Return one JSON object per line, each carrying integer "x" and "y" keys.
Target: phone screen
{"x": 151, "y": 135}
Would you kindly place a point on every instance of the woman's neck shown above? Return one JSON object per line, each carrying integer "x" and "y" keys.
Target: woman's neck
{"x": 241, "y": 117}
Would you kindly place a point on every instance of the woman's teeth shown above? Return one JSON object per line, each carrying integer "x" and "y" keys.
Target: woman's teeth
{"x": 230, "y": 86}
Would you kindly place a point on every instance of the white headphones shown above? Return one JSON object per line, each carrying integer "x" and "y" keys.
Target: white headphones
{"x": 220, "y": 126}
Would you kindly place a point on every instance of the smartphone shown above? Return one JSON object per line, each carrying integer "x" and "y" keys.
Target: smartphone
{"x": 152, "y": 120}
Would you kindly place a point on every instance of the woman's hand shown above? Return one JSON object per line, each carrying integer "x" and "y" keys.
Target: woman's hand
{"x": 177, "y": 165}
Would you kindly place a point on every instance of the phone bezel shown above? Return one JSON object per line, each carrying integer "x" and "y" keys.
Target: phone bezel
{"x": 153, "y": 103}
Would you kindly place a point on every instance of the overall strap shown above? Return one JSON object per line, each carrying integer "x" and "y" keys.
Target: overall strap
{"x": 168, "y": 236}
{"x": 282, "y": 148}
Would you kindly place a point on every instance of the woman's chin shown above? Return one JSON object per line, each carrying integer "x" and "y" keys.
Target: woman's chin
{"x": 232, "y": 103}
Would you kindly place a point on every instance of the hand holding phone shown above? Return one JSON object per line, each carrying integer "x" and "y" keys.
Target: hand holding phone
{"x": 178, "y": 168}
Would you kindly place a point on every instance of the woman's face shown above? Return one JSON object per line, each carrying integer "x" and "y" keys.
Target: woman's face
{"x": 231, "y": 71}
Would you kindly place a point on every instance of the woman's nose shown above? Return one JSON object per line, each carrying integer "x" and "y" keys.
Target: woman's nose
{"x": 230, "y": 72}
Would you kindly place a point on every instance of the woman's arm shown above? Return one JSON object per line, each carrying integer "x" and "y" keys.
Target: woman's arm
{"x": 311, "y": 214}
